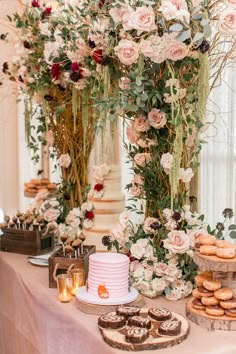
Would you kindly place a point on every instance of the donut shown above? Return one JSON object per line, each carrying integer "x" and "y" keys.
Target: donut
{"x": 199, "y": 279}
{"x": 222, "y": 244}
{"x": 159, "y": 313}
{"x": 208, "y": 250}
{"x": 198, "y": 305}
{"x": 223, "y": 294}
{"x": 44, "y": 181}
{"x": 136, "y": 334}
{"x": 111, "y": 321}
{"x": 231, "y": 313}
{"x": 35, "y": 181}
{"x": 211, "y": 284}
{"x": 207, "y": 239}
{"x": 226, "y": 253}
{"x": 209, "y": 301}
{"x": 229, "y": 304}
{"x": 196, "y": 293}
{"x": 200, "y": 292}
{"x": 51, "y": 186}
{"x": 214, "y": 310}
{"x": 139, "y": 321}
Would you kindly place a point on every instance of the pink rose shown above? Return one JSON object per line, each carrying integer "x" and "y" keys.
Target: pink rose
{"x": 134, "y": 265}
{"x": 138, "y": 180}
{"x": 127, "y": 52}
{"x": 121, "y": 14}
{"x": 186, "y": 175}
{"x": 137, "y": 251}
{"x": 131, "y": 133}
{"x": 176, "y": 51}
{"x": 156, "y": 118}
{"x": 142, "y": 159}
{"x": 195, "y": 234}
{"x": 227, "y": 21}
{"x": 177, "y": 242}
{"x": 160, "y": 268}
{"x": 119, "y": 235}
{"x": 231, "y": 3}
{"x": 64, "y": 160}
{"x": 49, "y": 137}
{"x": 136, "y": 191}
{"x": 51, "y": 214}
{"x": 143, "y": 19}
{"x": 166, "y": 161}
{"x": 124, "y": 218}
{"x": 124, "y": 83}
{"x": 41, "y": 195}
{"x": 141, "y": 124}
{"x": 175, "y": 10}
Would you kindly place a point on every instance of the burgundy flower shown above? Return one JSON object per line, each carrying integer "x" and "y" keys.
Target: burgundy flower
{"x": 76, "y": 74}
{"x": 35, "y": 3}
{"x": 102, "y": 2}
{"x": 55, "y": 70}
{"x": 97, "y": 56}
{"x": 47, "y": 12}
{"x": 75, "y": 66}
{"x": 98, "y": 187}
{"x": 89, "y": 215}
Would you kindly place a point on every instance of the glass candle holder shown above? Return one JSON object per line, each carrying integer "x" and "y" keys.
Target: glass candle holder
{"x": 77, "y": 280}
{"x": 63, "y": 283}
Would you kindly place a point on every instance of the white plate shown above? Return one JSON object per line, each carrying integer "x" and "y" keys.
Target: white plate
{"x": 83, "y": 295}
{"x": 38, "y": 262}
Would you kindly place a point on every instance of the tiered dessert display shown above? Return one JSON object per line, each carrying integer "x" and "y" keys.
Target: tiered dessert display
{"x": 108, "y": 203}
{"x": 132, "y": 328}
{"x": 107, "y": 285}
{"x": 213, "y": 305}
{"x": 35, "y": 185}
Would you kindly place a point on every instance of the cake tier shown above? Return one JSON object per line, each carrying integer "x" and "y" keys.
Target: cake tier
{"x": 110, "y": 202}
{"x": 110, "y": 270}
{"x": 94, "y": 237}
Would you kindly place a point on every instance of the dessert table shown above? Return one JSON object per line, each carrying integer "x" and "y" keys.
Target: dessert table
{"x": 33, "y": 321}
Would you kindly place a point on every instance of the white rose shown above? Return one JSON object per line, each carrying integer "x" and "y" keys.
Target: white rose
{"x": 175, "y": 294}
{"x": 51, "y": 214}
{"x": 177, "y": 242}
{"x": 64, "y": 160}
{"x": 148, "y": 274}
{"x": 159, "y": 285}
{"x": 87, "y": 223}
{"x": 87, "y": 206}
{"x": 148, "y": 252}
{"x": 45, "y": 28}
{"x": 172, "y": 273}
{"x": 143, "y": 19}
{"x": 175, "y": 10}
{"x": 142, "y": 242}
{"x": 160, "y": 268}
{"x": 137, "y": 251}
{"x": 166, "y": 161}
{"x": 227, "y": 21}
{"x": 139, "y": 271}
{"x": 186, "y": 175}
{"x": 124, "y": 218}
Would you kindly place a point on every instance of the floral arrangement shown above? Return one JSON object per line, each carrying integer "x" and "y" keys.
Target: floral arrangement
{"x": 160, "y": 251}
{"x": 99, "y": 172}
{"x": 224, "y": 230}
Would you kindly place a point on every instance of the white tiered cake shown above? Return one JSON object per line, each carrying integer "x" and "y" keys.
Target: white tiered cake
{"x": 108, "y": 203}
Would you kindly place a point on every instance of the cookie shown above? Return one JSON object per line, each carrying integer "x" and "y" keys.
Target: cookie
{"x": 159, "y": 313}
{"x": 127, "y": 311}
{"x": 170, "y": 328}
{"x": 111, "y": 321}
{"x": 136, "y": 334}
{"x": 139, "y": 321}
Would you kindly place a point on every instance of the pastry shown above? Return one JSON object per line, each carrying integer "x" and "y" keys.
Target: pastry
{"x": 111, "y": 321}
{"x": 211, "y": 284}
{"x": 199, "y": 279}
{"x": 198, "y": 305}
{"x": 160, "y": 313}
{"x": 170, "y": 328}
{"x": 136, "y": 334}
{"x": 228, "y": 304}
{"x": 127, "y": 311}
{"x": 208, "y": 250}
{"x": 207, "y": 239}
{"x": 139, "y": 321}
{"x": 222, "y": 244}
{"x": 196, "y": 293}
{"x": 209, "y": 301}
{"x": 204, "y": 292}
{"x": 223, "y": 294}
{"x": 231, "y": 313}
{"x": 226, "y": 253}
{"x": 214, "y": 310}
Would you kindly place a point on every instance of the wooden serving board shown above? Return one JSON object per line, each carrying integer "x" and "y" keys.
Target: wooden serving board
{"x": 116, "y": 337}
{"x": 213, "y": 263}
{"x": 102, "y": 309}
{"x": 208, "y": 322}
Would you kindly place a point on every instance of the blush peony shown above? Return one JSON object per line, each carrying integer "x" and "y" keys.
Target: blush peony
{"x": 127, "y": 52}
{"x": 177, "y": 242}
{"x": 143, "y": 19}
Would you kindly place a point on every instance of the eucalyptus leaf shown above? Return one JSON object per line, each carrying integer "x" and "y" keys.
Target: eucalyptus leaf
{"x": 138, "y": 81}
{"x": 197, "y": 17}
{"x": 198, "y": 36}
{"x": 148, "y": 2}
{"x": 232, "y": 227}
{"x": 144, "y": 96}
{"x": 204, "y": 22}
{"x": 183, "y": 36}
{"x": 207, "y": 31}
{"x": 176, "y": 27}
{"x": 232, "y": 234}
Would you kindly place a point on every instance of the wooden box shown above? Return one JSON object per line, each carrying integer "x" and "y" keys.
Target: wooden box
{"x": 60, "y": 265}
{"x": 26, "y": 242}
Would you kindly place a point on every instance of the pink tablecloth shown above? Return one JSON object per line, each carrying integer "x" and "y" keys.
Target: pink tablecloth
{"x": 33, "y": 321}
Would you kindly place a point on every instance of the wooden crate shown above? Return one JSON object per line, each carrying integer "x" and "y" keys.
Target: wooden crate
{"x": 60, "y": 265}
{"x": 26, "y": 242}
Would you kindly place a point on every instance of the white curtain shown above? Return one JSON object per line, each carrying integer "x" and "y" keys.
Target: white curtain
{"x": 217, "y": 182}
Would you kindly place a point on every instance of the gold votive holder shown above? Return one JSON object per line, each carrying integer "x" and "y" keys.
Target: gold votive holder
{"x": 63, "y": 285}
{"x": 77, "y": 280}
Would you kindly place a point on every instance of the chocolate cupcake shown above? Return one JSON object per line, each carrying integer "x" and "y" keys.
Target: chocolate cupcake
{"x": 136, "y": 334}
{"x": 159, "y": 313}
{"x": 139, "y": 321}
{"x": 111, "y": 321}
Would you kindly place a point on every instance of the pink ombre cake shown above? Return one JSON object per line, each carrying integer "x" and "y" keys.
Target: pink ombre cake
{"x": 108, "y": 275}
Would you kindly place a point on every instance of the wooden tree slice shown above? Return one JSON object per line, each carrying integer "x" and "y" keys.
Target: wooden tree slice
{"x": 102, "y": 309}
{"x": 116, "y": 338}
{"x": 215, "y": 264}
{"x": 210, "y": 323}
